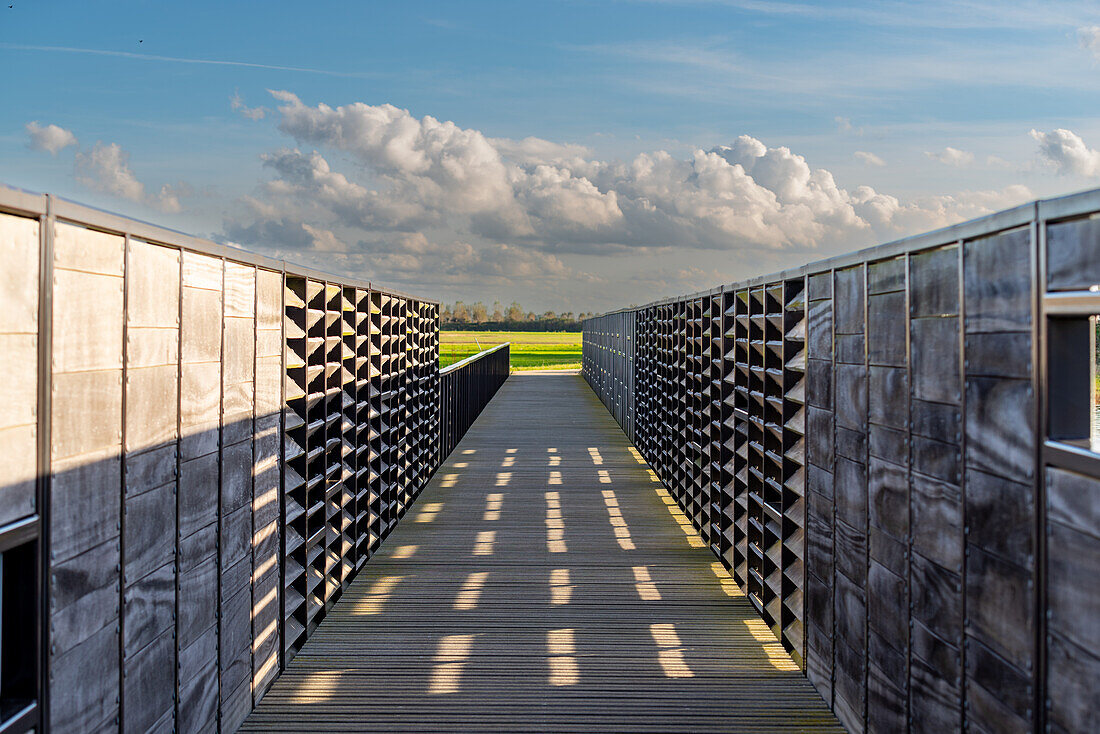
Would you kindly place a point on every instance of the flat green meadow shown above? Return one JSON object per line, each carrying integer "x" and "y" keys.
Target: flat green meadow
{"x": 530, "y": 350}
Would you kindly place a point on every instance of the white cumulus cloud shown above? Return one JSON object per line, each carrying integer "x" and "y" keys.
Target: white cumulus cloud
{"x": 252, "y": 113}
{"x": 952, "y": 156}
{"x": 51, "y": 138}
{"x": 1067, "y": 153}
{"x": 420, "y": 196}
{"x": 106, "y": 168}
{"x": 1089, "y": 39}
{"x": 869, "y": 158}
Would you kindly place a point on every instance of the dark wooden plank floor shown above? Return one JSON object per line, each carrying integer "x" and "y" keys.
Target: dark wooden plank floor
{"x": 543, "y": 582}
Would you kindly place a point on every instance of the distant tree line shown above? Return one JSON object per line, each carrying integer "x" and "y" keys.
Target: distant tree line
{"x": 478, "y": 317}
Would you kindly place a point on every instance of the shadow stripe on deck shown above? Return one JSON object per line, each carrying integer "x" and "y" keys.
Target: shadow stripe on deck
{"x": 528, "y": 593}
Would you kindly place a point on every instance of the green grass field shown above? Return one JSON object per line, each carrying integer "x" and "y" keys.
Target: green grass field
{"x": 530, "y": 350}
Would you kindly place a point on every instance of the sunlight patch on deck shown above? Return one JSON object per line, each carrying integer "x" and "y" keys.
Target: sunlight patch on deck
{"x": 670, "y": 653}
{"x": 377, "y": 595}
{"x": 450, "y": 657}
{"x": 563, "y": 666}
{"x": 561, "y": 591}
{"x": 470, "y": 591}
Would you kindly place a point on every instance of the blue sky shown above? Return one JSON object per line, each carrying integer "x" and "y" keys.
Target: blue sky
{"x": 601, "y": 153}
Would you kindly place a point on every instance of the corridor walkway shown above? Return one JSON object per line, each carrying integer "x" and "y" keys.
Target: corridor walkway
{"x": 543, "y": 582}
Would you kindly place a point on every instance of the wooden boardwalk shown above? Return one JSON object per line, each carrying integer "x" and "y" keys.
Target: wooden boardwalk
{"x": 543, "y": 582}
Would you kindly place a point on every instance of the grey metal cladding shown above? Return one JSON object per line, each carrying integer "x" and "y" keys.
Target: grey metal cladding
{"x": 149, "y": 685}
{"x": 1001, "y": 354}
{"x": 198, "y": 494}
{"x": 888, "y": 497}
{"x": 1074, "y": 685}
{"x": 936, "y": 420}
{"x": 819, "y": 657}
{"x": 934, "y": 694}
{"x": 850, "y": 551}
{"x": 198, "y": 603}
{"x": 1000, "y": 427}
{"x": 236, "y": 476}
{"x": 851, "y": 444}
{"x": 999, "y": 697}
{"x": 940, "y": 459}
{"x": 75, "y": 578}
{"x": 888, "y": 444}
{"x": 236, "y": 536}
{"x": 234, "y": 641}
{"x": 851, "y": 394}
{"x": 935, "y": 359}
{"x": 937, "y": 597}
{"x": 819, "y": 383}
{"x": 886, "y": 329}
{"x": 1073, "y": 254}
{"x": 1073, "y": 500}
{"x": 934, "y": 282}
{"x": 820, "y": 330}
{"x": 1073, "y": 557}
{"x": 198, "y": 686}
{"x": 851, "y": 492}
{"x": 84, "y": 510}
{"x": 886, "y": 276}
{"x": 149, "y": 608}
{"x": 1000, "y": 516}
{"x": 150, "y": 469}
{"x": 851, "y": 611}
{"x": 888, "y": 397}
{"x": 937, "y": 530}
{"x": 85, "y": 683}
{"x": 848, "y": 686}
{"x": 150, "y": 519}
{"x": 888, "y": 612}
{"x": 848, "y": 303}
{"x": 998, "y": 282}
{"x": 819, "y": 286}
{"x": 891, "y": 552}
{"x": 887, "y": 703}
{"x": 850, "y": 348}
{"x": 999, "y": 606}
{"x": 819, "y": 441}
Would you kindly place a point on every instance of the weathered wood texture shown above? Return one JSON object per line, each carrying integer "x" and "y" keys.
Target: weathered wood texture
{"x": 19, "y": 344}
{"x": 85, "y": 463}
{"x": 509, "y": 601}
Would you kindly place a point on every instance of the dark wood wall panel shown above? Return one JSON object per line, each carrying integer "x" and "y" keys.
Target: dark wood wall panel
{"x": 178, "y": 485}
{"x": 945, "y": 544}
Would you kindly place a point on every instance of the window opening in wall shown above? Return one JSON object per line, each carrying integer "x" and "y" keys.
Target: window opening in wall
{"x": 1094, "y": 381}
{"x": 18, "y": 632}
{"x": 1073, "y": 380}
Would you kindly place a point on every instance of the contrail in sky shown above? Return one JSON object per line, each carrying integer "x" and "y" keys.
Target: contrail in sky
{"x": 179, "y": 60}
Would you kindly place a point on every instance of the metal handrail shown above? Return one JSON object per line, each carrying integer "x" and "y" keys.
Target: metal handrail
{"x": 473, "y": 358}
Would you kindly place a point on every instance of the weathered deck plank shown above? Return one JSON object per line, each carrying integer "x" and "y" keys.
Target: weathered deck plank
{"x": 610, "y": 625}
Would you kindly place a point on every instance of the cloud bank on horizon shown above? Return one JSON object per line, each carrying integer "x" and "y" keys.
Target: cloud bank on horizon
{"x": 424, "y": 197}
{"x": 426, "y": 201}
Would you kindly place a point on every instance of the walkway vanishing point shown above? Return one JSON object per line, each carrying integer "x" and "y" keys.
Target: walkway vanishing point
{"x": 544, "y": 582}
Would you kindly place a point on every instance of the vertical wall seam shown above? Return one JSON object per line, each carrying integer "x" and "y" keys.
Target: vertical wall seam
{"x": 964, "y": 384}
{"x": 281, "y": 522}
{"x": 179, "y": 474}
{"x": 122, "y": 490}
{"x": 44, "y": 458}
{"x": 866, "y": 267}
{"x": 1040, "y": 380}
{"x": 219, "y": 617}
{"x": 832, "y": 469}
